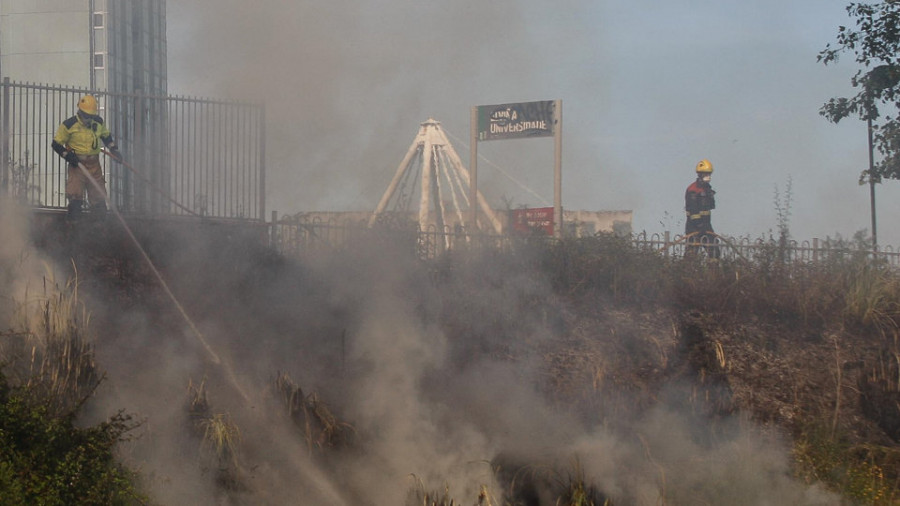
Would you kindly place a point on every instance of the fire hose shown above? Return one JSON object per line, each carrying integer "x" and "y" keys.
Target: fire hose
{"x": 159, "y": 277}
{"x": 214, "y": 357}
{"x": 148, "y": 182}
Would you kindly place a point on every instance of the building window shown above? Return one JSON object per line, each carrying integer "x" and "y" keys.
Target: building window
{"x": 98, "y": 20}
{"x": 99, "y": 60}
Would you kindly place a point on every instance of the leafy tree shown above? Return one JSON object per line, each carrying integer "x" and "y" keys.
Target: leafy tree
{"x": 875, "y": 43}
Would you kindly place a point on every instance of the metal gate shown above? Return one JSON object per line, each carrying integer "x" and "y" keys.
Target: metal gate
{"x": 183, "y": 155}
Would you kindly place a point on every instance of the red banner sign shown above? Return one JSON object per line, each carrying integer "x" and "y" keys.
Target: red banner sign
{"x": 529, "y": 221}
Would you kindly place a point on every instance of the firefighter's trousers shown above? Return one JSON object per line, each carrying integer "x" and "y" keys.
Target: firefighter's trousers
{"x": 77, "y": 182}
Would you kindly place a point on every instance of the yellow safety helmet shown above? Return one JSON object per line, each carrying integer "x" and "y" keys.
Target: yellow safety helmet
{"x": 88, "y": 105}
{"x": 704, "y": 167}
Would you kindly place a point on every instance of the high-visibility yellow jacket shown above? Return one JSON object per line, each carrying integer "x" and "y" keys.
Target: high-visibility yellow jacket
{"x": 80, "y": 137}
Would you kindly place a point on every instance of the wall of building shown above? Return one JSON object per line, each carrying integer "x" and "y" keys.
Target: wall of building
{"x": 114, "y": 45}
{"x": 45, "y": 41}
{"x": 587, "y": 223}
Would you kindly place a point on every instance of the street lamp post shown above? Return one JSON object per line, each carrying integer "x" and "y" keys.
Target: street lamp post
{"x": 872, "y": 184}
{"x": 877, "y": 80}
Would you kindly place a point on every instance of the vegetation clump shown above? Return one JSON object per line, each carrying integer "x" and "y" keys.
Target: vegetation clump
{"x": 46, "y": 459}
{"x": 48, "y": 373}
{"x": 220, "y": 441}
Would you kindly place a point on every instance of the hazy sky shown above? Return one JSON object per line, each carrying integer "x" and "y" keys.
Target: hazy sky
{"x": 648, "y": 89}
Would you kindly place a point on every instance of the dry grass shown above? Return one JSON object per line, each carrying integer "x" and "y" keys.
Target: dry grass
{"x": 321, "y": 429}
{"x": 575, "y": 491}
{"x": 57, "y": 355}
{"x": 50, "y": 351}
{"x": 523, "y": 483}
{"x": 222, "y": 438}
{"x": 419, "y": 495}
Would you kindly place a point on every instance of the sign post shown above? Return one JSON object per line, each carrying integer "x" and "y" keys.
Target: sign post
{"x": 473, "y": 170}
{"x": 517, "y": 121}
{"x": 557, "y": 170}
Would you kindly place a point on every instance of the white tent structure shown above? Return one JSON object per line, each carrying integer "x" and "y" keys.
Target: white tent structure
{"x": 443, "y": 194}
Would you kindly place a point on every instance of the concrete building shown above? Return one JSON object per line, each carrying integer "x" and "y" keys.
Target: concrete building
{"x": 117, "y": 46}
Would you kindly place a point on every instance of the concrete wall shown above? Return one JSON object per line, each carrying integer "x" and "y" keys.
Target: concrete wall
{"x": 586, "y": 223}
{"x": 46, "y": 41}
{"x": 57, "y": 42}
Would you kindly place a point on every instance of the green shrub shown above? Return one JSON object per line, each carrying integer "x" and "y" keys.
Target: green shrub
{"x": 46, "y": 460}
{"x": 48, "y": 372}
{"x": 861, "y": 473}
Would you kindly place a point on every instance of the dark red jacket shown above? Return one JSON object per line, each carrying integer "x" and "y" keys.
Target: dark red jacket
{"x": 699, "y": 200}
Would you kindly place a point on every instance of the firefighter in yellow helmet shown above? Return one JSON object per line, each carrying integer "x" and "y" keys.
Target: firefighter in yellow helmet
{"x": 78, "y": 140}
{"x": 699, "y": 201}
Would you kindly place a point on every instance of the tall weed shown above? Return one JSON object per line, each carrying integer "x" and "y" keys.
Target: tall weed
{"x": 50, "y": 350}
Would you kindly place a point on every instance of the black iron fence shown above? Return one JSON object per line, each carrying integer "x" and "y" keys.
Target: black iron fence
{"x": 182, "y": 155}
{"x": 296, "y": 237}
{"x": 762, "y": 249}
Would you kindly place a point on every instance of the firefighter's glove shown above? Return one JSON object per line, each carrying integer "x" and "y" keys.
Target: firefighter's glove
{"x": 116, "y": 154}
{"x": 71, "y": 157}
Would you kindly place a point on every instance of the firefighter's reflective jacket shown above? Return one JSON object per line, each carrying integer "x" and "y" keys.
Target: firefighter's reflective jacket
{"x": 699, "y": 200}
{"x": 82, "y": 136}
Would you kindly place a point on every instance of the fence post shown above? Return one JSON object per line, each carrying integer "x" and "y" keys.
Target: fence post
{"x": 139, "y": 200}
{"x": 4, "y": 132}
{"x": 666, "y": 243}
{"x": 272, "y": 230}
{"x": 815, "y": 249}
{"x": 262, "y": 162}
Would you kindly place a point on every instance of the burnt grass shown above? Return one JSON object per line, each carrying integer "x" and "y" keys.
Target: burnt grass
{"x": 803, "y": 349}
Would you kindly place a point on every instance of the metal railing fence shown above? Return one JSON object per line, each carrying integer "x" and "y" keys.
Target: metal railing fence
{"x": 184, "y": 155}
{"x": 765, "y": 249}
{"x": 297, "y": 237}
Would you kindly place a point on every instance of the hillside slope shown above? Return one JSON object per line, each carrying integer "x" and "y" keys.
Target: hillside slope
{"x": 485, "y": 377}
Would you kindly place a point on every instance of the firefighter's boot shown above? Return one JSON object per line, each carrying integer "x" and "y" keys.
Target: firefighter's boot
{"x": 74, "y": 210}
{"x": 98, "y": 211}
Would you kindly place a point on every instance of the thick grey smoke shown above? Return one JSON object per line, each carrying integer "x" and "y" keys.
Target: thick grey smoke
{"x": 347, "y": 84}
{"x": 20, "y": 266}
{"x": 441, "y": 382}
{"x": 745, "y": 466}
{"x": 647, "y": 91}
{"x": 361, "y": 329}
